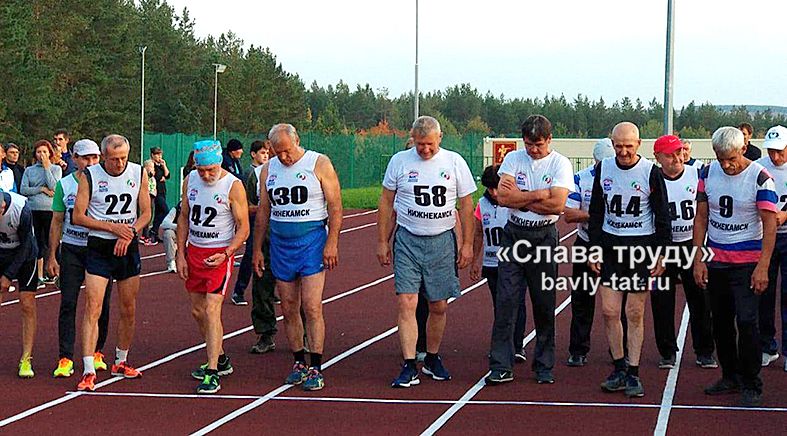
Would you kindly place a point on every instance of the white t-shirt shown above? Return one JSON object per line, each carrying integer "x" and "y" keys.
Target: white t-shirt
{"x": 211, "y": 223}
{"x": 552, "y": 171}
{"x": 779, "y": 175}
{"x": 427, "y": 190}
{"x": 682, "y": 203}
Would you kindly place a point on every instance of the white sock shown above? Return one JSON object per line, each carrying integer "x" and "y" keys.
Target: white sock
{"x": 120, "y": 356}
{"x": 87, "y": 362}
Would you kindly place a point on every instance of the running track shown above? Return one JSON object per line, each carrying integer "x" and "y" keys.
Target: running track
{"x": 362, "y": 356}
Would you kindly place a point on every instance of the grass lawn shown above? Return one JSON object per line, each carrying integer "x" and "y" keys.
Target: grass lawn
{"x": 367, "y": 198}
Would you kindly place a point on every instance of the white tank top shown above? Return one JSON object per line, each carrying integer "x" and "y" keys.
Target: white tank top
{"x": 579, "y": 198}
{"x": 114, "y": 198}
{"x": 733, "y": 215}
{"x": 72, "y": 234}
{"x": 627, "y": 198}
{"x": 295, "y": 192}
{"x": 211, "y": 223}
{"x": 779, "y": 175}
{"x": 9, "y": 222}
{"x": 493, "y": 219}
{"x": 682, "y": 202}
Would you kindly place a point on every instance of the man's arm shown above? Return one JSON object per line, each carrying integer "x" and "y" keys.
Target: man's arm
{"x": 58, "y": 215}
{"x": 333, "y": 196}
{"x": 552, "y": 205}
{"x": 509, "y": 195}
{"x": 572, "y": 215}
{"x": 251, "y": 192}
{"x": 27, "y": 243}
{"x": 143, "y": 204}
{"x": 596, "y": 209}
{"x": 240, "y": 212}
{"x": 261, "y": 222}
{"x": 468, "y": 228}
{"x": 384, "y": 225}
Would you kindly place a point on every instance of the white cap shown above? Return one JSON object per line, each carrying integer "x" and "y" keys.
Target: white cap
{"x": 603, "y": 149}
{"x": 86, "y": 147}
{"x": 776, "y": 138}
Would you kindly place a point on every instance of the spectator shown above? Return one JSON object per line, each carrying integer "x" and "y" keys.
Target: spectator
{"x": 148, "y": 237}
{"x": 7, "y": 182}
{"x": 231, "y": 161}
{"x": 752, "y": 152}
{"x": 63, "y": 157}
{"x": 12, "y": 161}
{"x": 38, "y": 185}
{"x": 169, "y": 229}
{"x": 161, "y": 175}
{"x": 189, "y": 164}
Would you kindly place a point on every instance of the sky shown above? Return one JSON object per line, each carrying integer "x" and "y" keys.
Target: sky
{"x": 726, "y": 51}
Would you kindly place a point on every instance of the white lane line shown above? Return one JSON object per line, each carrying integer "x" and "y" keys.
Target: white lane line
{"x": 414, "y": 401}
{"x": 352, "y": 229}
{"x": 448, "y": 414}
{"x": 173, "y": 356}
{"x": 270, "y": 395}
{"x": 368, "y": 212}
{"x": 672, "y": 379}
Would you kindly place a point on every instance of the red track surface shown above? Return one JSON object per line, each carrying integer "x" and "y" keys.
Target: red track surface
{"x": 165, "y": 326}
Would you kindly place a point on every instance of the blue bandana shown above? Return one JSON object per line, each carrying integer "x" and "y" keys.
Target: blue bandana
{"x": 207, "y": 152}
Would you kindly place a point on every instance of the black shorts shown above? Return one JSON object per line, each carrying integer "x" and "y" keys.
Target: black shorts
{"x": 27, "y": 276}
{"x": 101, "y": 260}
{"x": 612, "y": 270}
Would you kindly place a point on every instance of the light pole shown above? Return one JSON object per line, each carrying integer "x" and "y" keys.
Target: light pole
{"x": 142, "y": 50}
{"x": 218, "y": 68}
{"x": 415, "y": 95}
{"x": 668, "y": 73}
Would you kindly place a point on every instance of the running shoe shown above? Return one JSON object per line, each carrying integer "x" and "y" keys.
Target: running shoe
{"x": 298, "y": 374}
{"x": 634, "y": 388}
{"x": 50, "y": 280}
{"x": 520, "y": 356}
{"x": 707, "y": 362}
{"x": 65, "y": 368}
{"x": 264, "y": 344}
{"x": 435, "y": 368}
{"x": 615, "y": 382}
{"x": 26, "y": 368}
{"x": 498, "y": 377}
{"x": 750, "y": 398}
{"x": 667, "y": 362}
{"x": 123, "y": 369}
{"x": 314, "y": 381}
{"x": 723, "y": 386}
{"x": 225, "y": 368}
{"x": 87, "y": 383}
{"x": 577, "y": 360}
{"x": 210, "y": 384}
{"x": 545, "y": 377}
{"x": 98, "y": 361}
{"x": 408, "y": 377}
{"x": 171, "y": 267}
{"x": 768, "y": 358}
{"x": 239, "y": 300}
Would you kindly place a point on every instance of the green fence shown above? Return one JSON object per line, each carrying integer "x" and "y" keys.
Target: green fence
{"x": 360, "y": 160}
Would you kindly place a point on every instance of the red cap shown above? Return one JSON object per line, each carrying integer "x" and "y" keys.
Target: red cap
{"x": 667, "y": 144}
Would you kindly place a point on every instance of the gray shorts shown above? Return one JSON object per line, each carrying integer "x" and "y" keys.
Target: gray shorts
{"x": 430, "y": 260}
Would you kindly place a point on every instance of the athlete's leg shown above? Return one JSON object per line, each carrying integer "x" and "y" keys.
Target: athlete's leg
{"x": 95, "y": 286}
{"x": 635, "y": 316}
{"x": 611, "y": 302}
{"x": 311, "y": 300}
{"x": 127, "y": 290}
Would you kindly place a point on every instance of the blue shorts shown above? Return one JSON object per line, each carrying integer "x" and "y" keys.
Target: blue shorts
{"x": 427, "y": 260}
{"x": 101, "y": 260}
{"x": 300, "y": 255}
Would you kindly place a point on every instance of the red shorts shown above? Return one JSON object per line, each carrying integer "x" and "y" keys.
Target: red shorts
{"x": 204, "y": 279}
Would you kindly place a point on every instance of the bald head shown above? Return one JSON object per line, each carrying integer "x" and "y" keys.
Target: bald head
{"x": 625, "y": 139}
{"x": 625, "y": 129}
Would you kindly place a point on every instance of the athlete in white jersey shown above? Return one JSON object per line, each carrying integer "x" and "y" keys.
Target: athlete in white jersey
{"x": 299, "y": 189}
{"x": 18, "y": 253}
{"x": 424, "y": 185}
{"x": 686, "y": 154}
{"x": 682, "y": 182}
{"x": 66, "y": 260}
{"x": 583, "y": 299}
{"x": 776, "y": 164}
{"x": 114, "y": 205}
{"x": 214, "y": 219}
{"x": 628, "y": 208}
{"x": 736, "y": 209}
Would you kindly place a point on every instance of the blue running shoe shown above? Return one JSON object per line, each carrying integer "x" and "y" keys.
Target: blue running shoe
{"x": 408, "y": 377}
{"x": 298, "y": 374}
{"x": 435, "y": 368}
{"x": 314, "y": 380}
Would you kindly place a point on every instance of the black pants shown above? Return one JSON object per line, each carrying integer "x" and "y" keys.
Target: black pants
{"x": 160, "y": 213}
{"x": 491, "y": 274}
{"x": 42, "y": 221}
{"x": 768, "y": 299}
{"x": 663, "y": 307}
{"x": 245, "y": 270}
{"x": 263, "y": 315}
{"x": 513, "y": 280}
{"x": 583, "y": 309}
{"x": 734, "y": 304}
{"x": 72, "y": 274}
{"x": 421, "y": 317}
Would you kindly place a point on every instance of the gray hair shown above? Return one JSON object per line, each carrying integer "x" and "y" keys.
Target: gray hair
{"x": 425, "y": 125}
{"x": 727, "y": 139}
{"x": 114, "y": 141}
{"x": 277, "y": 129}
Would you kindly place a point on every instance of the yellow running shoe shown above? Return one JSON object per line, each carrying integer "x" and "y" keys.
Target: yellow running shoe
{"x": 98, "y": 361}
{"x": 26, "y": 368}
{"x": 65, "y": 367}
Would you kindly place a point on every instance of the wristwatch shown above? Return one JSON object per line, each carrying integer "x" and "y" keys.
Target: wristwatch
{"x": 134, "y": 229}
